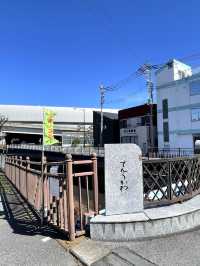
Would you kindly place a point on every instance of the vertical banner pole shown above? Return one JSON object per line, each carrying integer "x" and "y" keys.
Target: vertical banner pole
{"x": 47, "y": 139}
{"x": 42, "y": 171}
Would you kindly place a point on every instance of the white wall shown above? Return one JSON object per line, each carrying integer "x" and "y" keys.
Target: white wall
{"x": 185, "y": 141}
{"x": 168, "y": 74}
{"x": 164, "y": 76}
{"x": 63, "y": 114}
{"x": 179, "y": 105}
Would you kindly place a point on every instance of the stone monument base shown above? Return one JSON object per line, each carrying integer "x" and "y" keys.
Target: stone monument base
{"x": 150, "y": 223}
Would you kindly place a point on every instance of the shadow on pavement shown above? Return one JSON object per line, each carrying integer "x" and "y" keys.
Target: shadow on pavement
{"x": 19, "y": 214}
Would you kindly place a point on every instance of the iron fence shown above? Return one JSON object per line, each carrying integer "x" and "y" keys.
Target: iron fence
{"x": 57, "y": 194}
{"x": 169, "y": 152}
{"x": 66, "y": 150}
{"x": 151, "y": 153}
{"x": 168, "y": 181}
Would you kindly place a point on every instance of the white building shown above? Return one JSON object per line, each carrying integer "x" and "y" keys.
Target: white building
{"x": 24, "y": 123}
{"x": 178, "y": 106}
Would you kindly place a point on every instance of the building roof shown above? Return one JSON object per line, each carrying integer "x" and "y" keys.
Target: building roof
{"x": 23, "y": 113}
{"x": 109, "y": 115}
{"x": 135, "y": 111}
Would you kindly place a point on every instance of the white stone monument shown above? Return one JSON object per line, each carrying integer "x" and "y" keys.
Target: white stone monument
{"x": 123, "y": 179}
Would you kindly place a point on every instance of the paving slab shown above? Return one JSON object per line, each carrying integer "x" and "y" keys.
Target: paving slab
{"x": 178, "y": 249}
{"x": 89, "y": 252}
{"x": 174, "y": 250}
{"x": 98, "y": 254}
{"x": 132, "y": 257}
{"x": 111, "y": 260}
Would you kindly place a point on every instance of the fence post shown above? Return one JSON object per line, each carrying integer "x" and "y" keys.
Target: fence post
{"x": 65, "y": 210}
{"x": 45, "y": 187}
{"x": 169, "y": 188}
{"x": 27, "y": 176}
{"x": 192, "y": 161}
{"x": 5, "y": 170}
{"x": 95, "y": 182}
{"x": 71, "y": 223}
{"x": 9, "y": 169}
{"x": 15, "y": 168}
{"x": 20, "y": 174}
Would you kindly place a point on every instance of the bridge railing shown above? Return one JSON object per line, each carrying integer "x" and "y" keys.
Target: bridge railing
{"x": 154, "y": 152}
{"x": 167, "y": 181}
{"x": 54, "y": 148}
{"x": 169, "y": 152}
{"x": 61, "y": 195}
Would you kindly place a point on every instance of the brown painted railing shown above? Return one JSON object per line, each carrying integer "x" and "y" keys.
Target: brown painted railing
{"x": 167, "y": 181}
{"x": 57, "y": 195}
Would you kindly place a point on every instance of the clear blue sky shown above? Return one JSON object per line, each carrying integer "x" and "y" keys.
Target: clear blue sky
{"x": 58, "y": 52}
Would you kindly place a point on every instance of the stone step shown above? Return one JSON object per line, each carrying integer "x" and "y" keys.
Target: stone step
{"x": 122, "y": 257}
{"x": 112, "y": 260}
{"x": 94, "y": 253}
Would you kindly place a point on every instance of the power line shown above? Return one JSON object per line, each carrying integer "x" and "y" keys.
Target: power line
{"x": 146, "y": 66}
{"x": 191, "y": 57}
{"x": 121, "y": 83}
{"x": 122, "y": 99}
{"x": 111, "y": 88}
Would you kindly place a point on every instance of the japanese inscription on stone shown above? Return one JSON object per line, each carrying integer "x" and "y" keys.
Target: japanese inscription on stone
{"x": 123, "y": 179}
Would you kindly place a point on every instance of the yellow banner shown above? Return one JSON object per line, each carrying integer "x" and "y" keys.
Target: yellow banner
{"x": 49, "y": 127}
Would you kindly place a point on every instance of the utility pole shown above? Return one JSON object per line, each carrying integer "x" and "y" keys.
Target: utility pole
{"x": 150, "y": 102}
{"x": 102, "y": 101}
{"x": 103, "y": 90}
{"x": 146, "y": 70}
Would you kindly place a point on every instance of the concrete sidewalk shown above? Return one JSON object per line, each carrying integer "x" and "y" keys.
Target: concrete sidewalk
{"x": 180, "y": 249}
{"x": 21, "y": 241}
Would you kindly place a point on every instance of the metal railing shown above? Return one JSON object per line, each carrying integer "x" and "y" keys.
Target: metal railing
{"x": 167, "y": 181}
{"x": 57, "y": 196}
{"x": 67, "y": 150}
{"x": 169, "y": 152}
{"x": 80, "y": 150}
{"x": 70, "y": 188}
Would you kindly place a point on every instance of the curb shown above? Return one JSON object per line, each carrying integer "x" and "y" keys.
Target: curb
{"x": 88, "y": 252}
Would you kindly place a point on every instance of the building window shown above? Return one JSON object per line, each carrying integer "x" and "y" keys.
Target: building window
{"x": 129, "y": 139}
{"x": 123, "y": 123}
{"x": 181, "y": 74}
{"x": 138, "y": 121}
{"x": 195, "y": 87}
{"x": 165, "y": 108}
{"x": 195, "y": 114}
{"x": 166, "y": 131}
{"x": 135, "y": 139}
